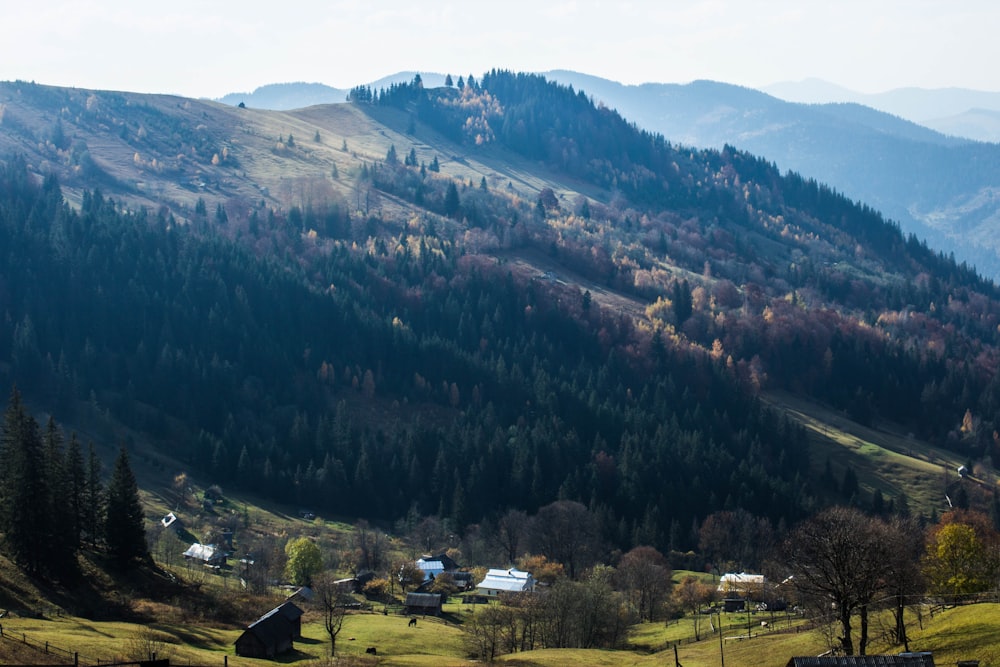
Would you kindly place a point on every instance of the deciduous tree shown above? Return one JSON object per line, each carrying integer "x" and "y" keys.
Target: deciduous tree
{"x": 691, "y": 595}
{"x": 332, "y": 601}
{"x": 839, "y": 557}
{"x": 644, "y": 574}
{"x": 304, "y": 560}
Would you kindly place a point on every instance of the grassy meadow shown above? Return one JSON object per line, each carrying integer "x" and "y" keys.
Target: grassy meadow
{"x": 962, "y": 633}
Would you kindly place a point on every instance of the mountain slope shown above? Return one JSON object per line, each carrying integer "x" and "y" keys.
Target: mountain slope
{"x": 459, "y": 301}
{"x": 938, "y": 187}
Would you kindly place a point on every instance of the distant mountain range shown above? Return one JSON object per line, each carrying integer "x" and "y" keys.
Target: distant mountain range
{"x": 958, "y": 111}
{"x": 941, "y": 187}
{"x": 288, "y": 96}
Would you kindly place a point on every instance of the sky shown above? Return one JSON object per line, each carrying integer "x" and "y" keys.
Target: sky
{"x": 207, "y": 48}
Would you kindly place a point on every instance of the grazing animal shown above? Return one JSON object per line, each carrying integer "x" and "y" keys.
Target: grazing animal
{"x": 412, "y": 622}
{"x": 371, "y": 650}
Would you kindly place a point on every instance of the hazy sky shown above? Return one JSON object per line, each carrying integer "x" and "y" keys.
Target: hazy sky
{"x": 206, "y": 48}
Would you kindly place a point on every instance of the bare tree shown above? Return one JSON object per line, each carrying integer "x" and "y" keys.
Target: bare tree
{"x": 332, "y": 600}
{"x": 645, "y": 574}
{"x": 903, "y": 577}
{"x": 511, "y": 530}
{"x": 371, "y": 546}
{"x": 566, "y": 531}
{"x": 691, "y": 595}
{"x": 147, "y": 644}
{"x": 839, "y": 557}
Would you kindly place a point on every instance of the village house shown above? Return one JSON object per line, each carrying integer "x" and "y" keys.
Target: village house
{"x": 209, "y": 554}
{"x": 434, "y": 566}
{"x": 498, "y": 581}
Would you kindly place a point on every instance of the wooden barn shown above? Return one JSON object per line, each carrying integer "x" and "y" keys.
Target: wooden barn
{"x": 423, "y": 603}
{"x": 272, "y": 634}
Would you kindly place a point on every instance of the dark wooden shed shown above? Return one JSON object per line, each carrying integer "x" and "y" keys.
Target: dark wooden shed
{"x": 423, "y": 603}
{"x": 272, "y": 634}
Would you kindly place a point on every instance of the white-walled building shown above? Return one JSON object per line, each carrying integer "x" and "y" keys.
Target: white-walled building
{"x": 505, "y": 581}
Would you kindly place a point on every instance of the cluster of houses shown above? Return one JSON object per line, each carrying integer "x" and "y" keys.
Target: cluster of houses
{"x": 495, "y": 583}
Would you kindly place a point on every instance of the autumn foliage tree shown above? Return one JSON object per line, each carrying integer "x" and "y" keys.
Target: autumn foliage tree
{"x": 691, "y": 595}
{"x": 962, "y": 556}
{"x": 644, "y": 573}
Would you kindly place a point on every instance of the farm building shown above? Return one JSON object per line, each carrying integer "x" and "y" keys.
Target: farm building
{"x": 744, "y": 585}
{"x": 901, "y": 660}
{"x": 271, "y": 634}
{"x": 432, "y": 566}
{"x": 505, "y": 581}
{"x": 209, "y": 554}
{"x": 423, "y": 603}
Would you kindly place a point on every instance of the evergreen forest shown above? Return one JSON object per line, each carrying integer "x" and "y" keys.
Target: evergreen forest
{"x": 384, "y": 353}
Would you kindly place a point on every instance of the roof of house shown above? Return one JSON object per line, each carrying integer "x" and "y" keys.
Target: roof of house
{"x": 205, "y": 552}
{"x": 423, "y": 600}
{"x": 272, "y": 628}
{"x": 507, "y": 580}
{"x": 437, "y": 563}
{"x": 289, "y": 610}
{"x": 430, "y": 566}
{"x": 901, "y": 660}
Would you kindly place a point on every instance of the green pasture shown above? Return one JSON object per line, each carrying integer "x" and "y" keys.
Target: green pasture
{"x": 883, "y": 457}
{"x": 964, "y": 633}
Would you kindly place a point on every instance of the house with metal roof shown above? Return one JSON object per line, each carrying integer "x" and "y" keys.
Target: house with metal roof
{"x": 924, "y": 659}
{"x": 209, "y": 554}
{"x": 505, "y": 581}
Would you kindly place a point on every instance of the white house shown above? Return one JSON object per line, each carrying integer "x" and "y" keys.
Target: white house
{"x": 742, "y": 585}
{"x": 505, "y": 581}
{"x": 209, "y": 554}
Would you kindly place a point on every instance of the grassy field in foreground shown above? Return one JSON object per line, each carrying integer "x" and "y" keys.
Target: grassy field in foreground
{"x": 964, "y": 633}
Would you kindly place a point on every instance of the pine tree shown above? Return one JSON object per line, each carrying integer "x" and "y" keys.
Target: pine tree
{"x": 93, "y": 499}
{"x": 123, "y": 523}
{"x": 60, "y": 556}
{"x": 452, "y": 203}
{"x": 24, "y": 516}
{"x": 76, "y": 478}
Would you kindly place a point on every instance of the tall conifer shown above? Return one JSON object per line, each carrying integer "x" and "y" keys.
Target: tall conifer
{"x": 123, "y": 525}
{"x": 24, "y": 516}
{"x": 93, "y": 503}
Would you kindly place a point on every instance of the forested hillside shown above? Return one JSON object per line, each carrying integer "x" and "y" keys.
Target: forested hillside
{"x": 417, "y": 341}
{"x": 938, "y": 187}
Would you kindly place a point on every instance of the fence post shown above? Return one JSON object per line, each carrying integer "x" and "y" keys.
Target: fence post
{"x": 76, "y": 660}
{"x": 225, "y": 661}
{"x": 46, "y": 648}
